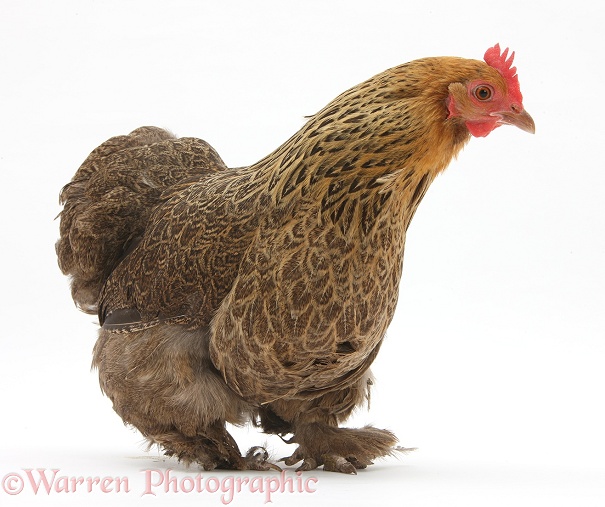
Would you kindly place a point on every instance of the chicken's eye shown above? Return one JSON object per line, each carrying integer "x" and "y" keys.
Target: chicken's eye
{"x": 483, "y": 92}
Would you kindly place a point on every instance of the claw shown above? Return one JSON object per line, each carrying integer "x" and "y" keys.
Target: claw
{"x": 307, "y": 465}
{"x": 335, "y": 463}
{"x": 287, "y": 441}
{"x": 256, "y": 459}
{"x": 358, "y": 464}
{"x": 292, "y": 460}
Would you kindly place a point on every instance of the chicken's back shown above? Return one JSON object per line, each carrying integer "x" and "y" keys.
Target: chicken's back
{"x": 109, "y": 201}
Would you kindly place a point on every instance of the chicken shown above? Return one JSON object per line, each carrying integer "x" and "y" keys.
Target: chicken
{"x": 263, "y": 293}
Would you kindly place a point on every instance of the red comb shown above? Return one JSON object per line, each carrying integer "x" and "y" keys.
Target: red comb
{"x": 499, "y": 61}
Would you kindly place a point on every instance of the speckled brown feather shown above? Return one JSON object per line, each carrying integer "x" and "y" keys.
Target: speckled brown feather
{"x": 366, "y": 155}
{"x": 329, "y": 270}
{"x": 109, "y": 200}
{"x": 269, "y": 287}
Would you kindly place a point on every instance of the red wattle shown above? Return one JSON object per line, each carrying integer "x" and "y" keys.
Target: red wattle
{"x": 481, "y": 128}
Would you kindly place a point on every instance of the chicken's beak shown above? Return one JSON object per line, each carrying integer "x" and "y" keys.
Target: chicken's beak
{"x": 520, "y": 119}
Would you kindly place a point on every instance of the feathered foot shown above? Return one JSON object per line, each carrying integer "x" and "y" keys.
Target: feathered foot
{"x": 343, "y": 450}
{"x": 215, "y": 449}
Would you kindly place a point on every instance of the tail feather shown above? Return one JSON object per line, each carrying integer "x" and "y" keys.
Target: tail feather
{"x": 107, "y": 204}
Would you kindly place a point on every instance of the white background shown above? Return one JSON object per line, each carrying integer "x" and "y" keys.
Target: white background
{"x": 494, "y": 364}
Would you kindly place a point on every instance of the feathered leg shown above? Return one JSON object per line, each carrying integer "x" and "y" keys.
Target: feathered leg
{"x": 161, "y": 381}
{"x": 314, "y": 424}
{"x": 339, "y": 449}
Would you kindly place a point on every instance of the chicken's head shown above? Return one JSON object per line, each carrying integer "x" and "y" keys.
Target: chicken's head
{"x": 492, "y": 99}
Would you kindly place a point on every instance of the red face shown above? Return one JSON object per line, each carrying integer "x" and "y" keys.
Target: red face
{"x": 485, "y": 106}
{"x": 489, "y": 102}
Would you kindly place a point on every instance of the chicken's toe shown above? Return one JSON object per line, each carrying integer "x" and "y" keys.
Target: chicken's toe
{"x": 335, "y": 463}
{"x": 256, "y": 459}
{"x": 307, "y": 465}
